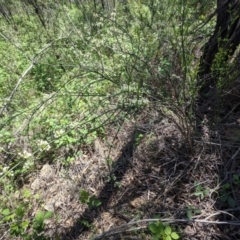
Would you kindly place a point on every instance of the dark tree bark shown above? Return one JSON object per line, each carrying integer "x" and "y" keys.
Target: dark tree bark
{"x": 38, "y": 9}
{"x": 226, "y": 36}
{"x": 6, "y": 12}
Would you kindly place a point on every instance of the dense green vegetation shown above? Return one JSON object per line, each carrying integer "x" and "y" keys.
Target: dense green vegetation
{"x": 76, "y": 68}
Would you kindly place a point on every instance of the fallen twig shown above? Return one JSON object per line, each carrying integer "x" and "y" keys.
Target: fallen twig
{"x": 126, "y": 227}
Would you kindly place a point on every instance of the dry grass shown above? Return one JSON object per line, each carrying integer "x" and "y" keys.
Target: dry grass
{"x": 155, "y": 174}
{"x": 156, "y": 171}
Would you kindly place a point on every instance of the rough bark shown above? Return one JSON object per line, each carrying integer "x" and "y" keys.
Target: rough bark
{"x": 226, "y": 36}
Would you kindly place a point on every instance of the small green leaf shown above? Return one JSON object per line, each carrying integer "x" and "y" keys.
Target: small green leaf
{"x": 168, "y": 230}
{"x": 14, "y": 229}
{"x": 199, "y": 188}
{"x": 199, "y": 194}
{"x": 160, "y": 227}
{"x": 168, "y": 237}
{"x": 156, "y": 236}
{"x": 153, "y": 228}
{"x": 9, "y": 217}
{"x": 84, "y": 195}
{"x": 26, "y": 193}
{"x": 206, "y": 192}
{"x": 97, "y": 203}
{"x": 90, "y": 205}
{"x": 224, "y": 198}
{"x": 189, "y": 214}
{"x": 174, "y": 235}
{"x": 232, "y": 203}
{"x": 93, "y": 202}
{"x": 25, "y": 224}
{"x": 226, "y": 186}
{"x": 19, "y": 212}
{"x": 39, "y": 216}
{"x": 5, "y": 212}
{"x": 197, "y": 211}
{"x": 48, "y": 215}
{"x": 235, "y": 177}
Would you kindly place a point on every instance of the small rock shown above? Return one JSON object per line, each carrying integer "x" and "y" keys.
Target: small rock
{"x": 36, "y": 184}
{"x": 49, "y": 206}
{"x": 47, "y": 172}
{"x": 137, "y": 203}
{"x": 69, "y": 222}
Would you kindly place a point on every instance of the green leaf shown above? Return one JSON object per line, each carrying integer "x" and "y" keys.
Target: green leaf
{"x": 224, "y": 198}
{"x": 156, "y": 236}
{"x": 174, "y": 235}
{"x": 39, "y": 216}
{"x": 199, "y": 188}
{"x": 5, "y": 212}
{"x": 9, "y": 217}
{"x": 235, "y": 177}
{"x": 197, "y": 211}
{"x": 232, "y": 203}
{"x": 226, "y": 186}
{"x": 168, "y": 230}
{"x": 25, "y": 224}
{"x": 206, "y": 192}
{"x": 168, "y": 237}
{"x": 19, "y": 212}
{"x": 97, "y": 203}
{"x": 48, "y": 215}
{"x": 160, "y": 227}
{"x": 92, "y": 198}
{"x": 199, "y": 194}
{"x": 90, "y": 205}
{"x": 26, "y": 193}
{"x": 93, "y": 202}
{"x": 15, "y": 229}
{"x": 153, "y": 228}
{"x": 84, "y": 196}
{"x": 38, "y": 224}
{"x": 189, "y": 214}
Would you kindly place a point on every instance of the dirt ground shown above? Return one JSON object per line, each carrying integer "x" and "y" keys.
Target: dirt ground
{"x": 147, "y": 168}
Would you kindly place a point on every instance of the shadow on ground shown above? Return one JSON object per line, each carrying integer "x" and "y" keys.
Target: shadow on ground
{"x": 219, "y": 127}
{"x": 161, "y": 177}
{"x": 122, "y": 164}
{"x": 155, "y": 177}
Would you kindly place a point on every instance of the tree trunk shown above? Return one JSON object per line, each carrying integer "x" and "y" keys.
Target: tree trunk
{"x": 226, "y": 38}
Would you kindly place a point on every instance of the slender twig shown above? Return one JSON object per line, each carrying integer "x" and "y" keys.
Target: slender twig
{"x": 16, "y": 87}
{"x": 4, "y": 234}
{"x": 33, "y": 62}
{"x": 15, "y": 45}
